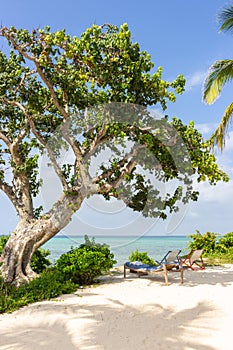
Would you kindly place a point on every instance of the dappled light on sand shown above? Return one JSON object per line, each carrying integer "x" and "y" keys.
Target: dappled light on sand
{"x": 136, "y": 313}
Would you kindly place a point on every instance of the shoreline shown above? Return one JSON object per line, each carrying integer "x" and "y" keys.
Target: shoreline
{"x": 130, "y": 314}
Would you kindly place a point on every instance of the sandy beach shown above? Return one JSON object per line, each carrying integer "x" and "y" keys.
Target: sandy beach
{"x": 132, "y": 313}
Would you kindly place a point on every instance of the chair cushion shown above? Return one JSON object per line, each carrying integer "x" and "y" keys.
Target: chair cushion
{"x": 138, "y": 265}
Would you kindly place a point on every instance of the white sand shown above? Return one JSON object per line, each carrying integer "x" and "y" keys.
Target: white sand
{"x": 135, "y": 313}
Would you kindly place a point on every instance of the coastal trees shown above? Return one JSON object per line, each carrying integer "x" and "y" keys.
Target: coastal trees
{"x": 86, "y": 96}
{"x": 221, "y": 72}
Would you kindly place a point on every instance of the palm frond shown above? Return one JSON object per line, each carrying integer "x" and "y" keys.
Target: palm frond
{"x": 220, "y": 73}
{"x": 226, "y": 19}
{"x": 219, "y": 136}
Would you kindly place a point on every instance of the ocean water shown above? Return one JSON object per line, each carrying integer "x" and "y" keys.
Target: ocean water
{"x": 122, "y": 247}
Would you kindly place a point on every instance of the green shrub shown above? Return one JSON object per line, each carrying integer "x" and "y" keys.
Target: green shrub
{"x": 227, "y": 240}
{"x": 49, "y": 284}
{"x": 81, "y": 265}
{"x": 143, "y": 257}
{"x": 216, "y": 250}
{"x": 206, "y": 242}
{"x": 39, "y": 260}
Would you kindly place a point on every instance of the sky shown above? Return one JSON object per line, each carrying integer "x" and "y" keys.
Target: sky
{"x": 181, "y": 36}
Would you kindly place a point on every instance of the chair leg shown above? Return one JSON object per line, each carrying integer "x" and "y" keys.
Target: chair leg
{"x": 124, "y": 271}
{"x": 165, "y": 274}
{"x": 181, "y": 275}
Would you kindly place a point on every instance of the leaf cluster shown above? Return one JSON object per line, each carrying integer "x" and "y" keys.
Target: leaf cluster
{"x": 81, "y": 265}
{"x": 216, "y": 247}
{"x": 142, "y": 257}
{"x": 49, "y": 284}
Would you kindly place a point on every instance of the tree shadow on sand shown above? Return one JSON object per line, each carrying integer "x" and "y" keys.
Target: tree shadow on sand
{"x": 88, "y": 321}
{"x": 109, "y": 326}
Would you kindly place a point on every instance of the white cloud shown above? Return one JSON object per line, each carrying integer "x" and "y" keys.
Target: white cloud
{"x": 206, "y": 128}
{"x": 229, "y": 142}
{"x": 222, "y": 193}
{"x": 197, "y": 78}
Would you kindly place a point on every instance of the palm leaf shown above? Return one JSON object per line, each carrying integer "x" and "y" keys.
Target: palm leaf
{"x": 226, "y": 19}
{"x": 220, "y": 73}
{"x": 219, "y": 135}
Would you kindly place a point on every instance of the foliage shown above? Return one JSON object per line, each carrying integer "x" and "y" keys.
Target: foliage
{"x": 206, "y": 242}
{"x": 227, "y": 240}
{"x": 81, "y": 265}
{"x": 215, "y": 248}
{"x": 61, "y": 92}
{"x": 39, "y": 260}
{"x": 221, "y": 72}
{"x": 49, "y": 284}
{"x": 3, "y": 240}
{"x": 49, "y": 77}
{"x": 143, "y": 257}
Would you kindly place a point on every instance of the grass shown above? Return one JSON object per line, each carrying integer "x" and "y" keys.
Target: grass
{"x": 49, "y": 284}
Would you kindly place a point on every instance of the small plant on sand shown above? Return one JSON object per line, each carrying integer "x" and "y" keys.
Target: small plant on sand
{"x": 81, "y": 265}
{"x": 206, "y": 242}
{"x": 49, "y": 284}
{"x": 215, "y": 249}
{"x": 143, "y": 257}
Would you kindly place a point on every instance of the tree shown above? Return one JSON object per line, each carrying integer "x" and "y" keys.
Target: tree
{"x": 87, "y": 95}
{"x": 220, "y": 73}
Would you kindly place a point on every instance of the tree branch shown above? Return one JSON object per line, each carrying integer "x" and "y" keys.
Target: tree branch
{"x": 52, "y": 91}
{"x": 5, "y": 32}
{"x": 5, "y": 139}
{"x": 127, "y": 158}
{"x": 42, "y": 141}
{"x": 8, "y": 190}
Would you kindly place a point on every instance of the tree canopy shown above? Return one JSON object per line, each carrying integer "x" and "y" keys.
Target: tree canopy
{"x": 88, "y": 95}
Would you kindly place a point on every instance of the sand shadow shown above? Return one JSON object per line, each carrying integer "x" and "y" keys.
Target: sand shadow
{"x": 56, "y": 326}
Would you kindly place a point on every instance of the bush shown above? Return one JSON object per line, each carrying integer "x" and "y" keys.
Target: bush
{"x": 227, "y": 240}
{"x": 49, "y": 284}
{"x": 81, "y": 265}
{"x": 143, "y": 257}
{"x": 215, "y": 250}
{"x": 39, "y": 260}
{"x": 206, "y": 242}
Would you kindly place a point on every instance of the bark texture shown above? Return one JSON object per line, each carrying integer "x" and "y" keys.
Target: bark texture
{"x": 29, "y": 236}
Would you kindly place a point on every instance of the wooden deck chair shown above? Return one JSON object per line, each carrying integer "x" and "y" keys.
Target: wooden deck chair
{"x": 194, "y": 260}
{"x": 145, "y": 269}
{"x": 171, "y": 256}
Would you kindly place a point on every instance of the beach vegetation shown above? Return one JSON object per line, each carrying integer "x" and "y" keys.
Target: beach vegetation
{"x": 143, "y": 257}
{"x": 49, "y": 284}
{"x": 83, "y": 264}
{"x": 88, "y": 96}
{"x": 207, "y": 242}
{"x": 80, "y": 266}
{"x": 216, "y": 248}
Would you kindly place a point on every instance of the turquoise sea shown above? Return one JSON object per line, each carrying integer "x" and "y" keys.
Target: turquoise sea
{"x": 122, "y": 247}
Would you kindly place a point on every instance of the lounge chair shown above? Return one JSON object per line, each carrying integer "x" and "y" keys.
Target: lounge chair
{"x": 145, "y": 269}
{"x": 194, "y": 260}
{"x": 171, "y": 256}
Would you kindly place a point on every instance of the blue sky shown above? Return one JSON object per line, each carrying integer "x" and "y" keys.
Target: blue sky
{"x": 181, "y": 36}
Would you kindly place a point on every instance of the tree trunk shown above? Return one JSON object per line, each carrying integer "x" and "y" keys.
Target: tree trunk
{"x": 18, "y": 251}
{"x": 28, "y": 236}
